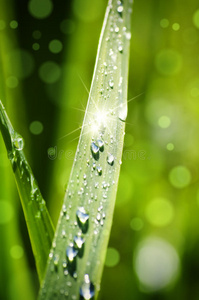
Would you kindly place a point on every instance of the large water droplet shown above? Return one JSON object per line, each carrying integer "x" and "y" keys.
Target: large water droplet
{"x": 82, "y": 219}
{"x": 122, "y": 108}
{"x": 95, "y": 151}
{"x": 120, "y": 10}
{"x": 71, "y": 254}
{"x": 100, "y": 144}
{"x": 110, "y": 159}
{"x": 123, "y": 112}
{"x": 87, "y": 290}
{"x": 79, "y": 244}
{"x": 18, "y": 142}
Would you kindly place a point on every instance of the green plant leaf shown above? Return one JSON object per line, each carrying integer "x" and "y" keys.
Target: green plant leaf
{"x": 76, "y": 259}
{"x": 36, "y": 214}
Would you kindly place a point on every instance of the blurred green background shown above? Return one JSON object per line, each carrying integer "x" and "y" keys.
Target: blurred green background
{"x": 48, "y": 49}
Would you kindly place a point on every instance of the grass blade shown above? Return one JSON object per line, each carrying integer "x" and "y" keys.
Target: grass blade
{"x": 76, "y": 260}
{"x": 37, "y": 218}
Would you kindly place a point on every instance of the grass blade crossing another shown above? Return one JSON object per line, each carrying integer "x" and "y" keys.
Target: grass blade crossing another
{"x": 76, "y": 259}
{"x": 36, "y": 214}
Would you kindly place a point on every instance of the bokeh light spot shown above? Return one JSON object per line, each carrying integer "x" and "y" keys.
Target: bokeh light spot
{"x": 136, "y": 224}
{"x": 36, "y": 46}
{"x": 55, "y": 46}
{"x": 87, "y": 11}
{"x": 40, "y": 9}
{"x": 164, "y": 122}
{"x": 196, "y": 18}
{"x": 180, "y": 177}
{"x": 13, "y": 24}
{"x": 112, "y": 257}
{"x": 36, "y": 34}
{"x": 168, "y": 62}
{"x": 16, "y": 252}
{"x": 156, "y": 264}
{"x": 159, "y": 212}
{"x": 36, "y": 127}
{"x": 176, "y": 26}
{"x": 49, "y": 72}
{"x": 20, "y": 62}
{"x": 170, "y": 146}
{"x": 12, "y": 82}
{"x": 164, "y": 23}
{"x": 67, "y": 26}
{"x": 6, "y": 212}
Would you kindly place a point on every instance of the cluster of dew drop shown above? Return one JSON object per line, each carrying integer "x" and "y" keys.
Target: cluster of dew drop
{"x": 25, "y": 173}
{"x": 115, "y": 40}
{"x": 75, "y": 248}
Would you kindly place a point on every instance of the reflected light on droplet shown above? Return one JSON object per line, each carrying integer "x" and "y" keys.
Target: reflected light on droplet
{"x": 156, "y": 264}
{"x": 99, "y": 121}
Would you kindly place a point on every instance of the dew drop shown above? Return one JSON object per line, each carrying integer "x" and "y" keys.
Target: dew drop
{"x": 64, "y": 209}
{"x": 122, "y": 112}
{"x": 111, "y": 83}
{"x": 82, "y": 219}
{"x": 98, "y": 217}
{"x": 87, "y": 290}
{"x": 95, "y": 151}
{"x": 100, "y": 144}
{"x": 71, "y": 254}
{"x": 120, "y": 10}
{"x": 120, "y": 48}
{"x": 79, "y": 242}
{"x": 56, "y": 262}
{"x": 99, "y": 170}
{"x": 110, "y": 159}
{"x": 18, "y": 142}
{"x": 128, "y": 35}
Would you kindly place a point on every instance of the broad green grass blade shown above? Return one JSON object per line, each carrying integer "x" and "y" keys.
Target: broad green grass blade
{"x": 77, "y": 256}
{"x": 36, "y": 214}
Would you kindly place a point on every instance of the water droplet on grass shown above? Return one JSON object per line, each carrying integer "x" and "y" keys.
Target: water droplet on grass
{"x": 100, "y": 144}
{"x": 82, "y": 219}
{"x": 111, "y": 83}
{"x": 71, "y": 254}
{"x": 56, "y": 262}
{"x": 79, "y": 242}
{"x": 120, "y": 9}
{"x": 99, "y": 170}
{"x": 110, "y": 159}
{"x": 18, "y": 142}
{"x": 123, "y": 112}
{"x": 87, "y": 290}
{"x": 95, "y": 151}
{"x": 120, "y": 48}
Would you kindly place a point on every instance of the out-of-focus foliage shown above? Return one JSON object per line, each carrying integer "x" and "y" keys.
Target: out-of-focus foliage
{"x": 153, "y": 250}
